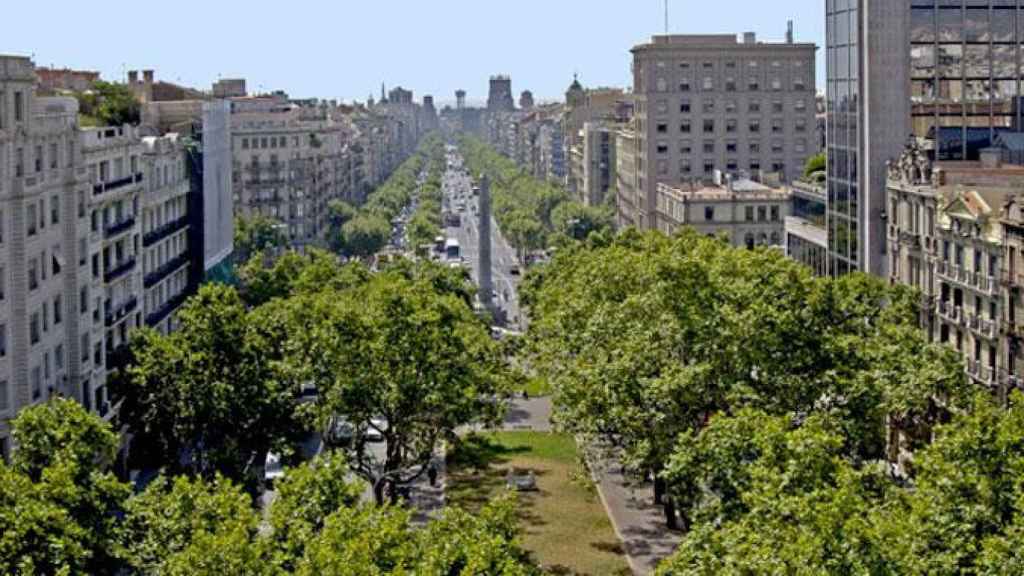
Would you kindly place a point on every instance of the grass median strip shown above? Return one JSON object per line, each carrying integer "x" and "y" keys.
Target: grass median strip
{"x": 564, "y": 524}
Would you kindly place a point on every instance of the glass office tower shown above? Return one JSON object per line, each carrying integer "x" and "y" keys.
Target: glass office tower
{"x": 867, "y": 123}
{"x": 964, "y": 73}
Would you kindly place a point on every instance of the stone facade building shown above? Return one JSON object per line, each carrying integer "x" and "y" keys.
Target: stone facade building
{"x": 708, "y": 102}
{"x": 749, "y": 214}
{"x": 954, "y": 232}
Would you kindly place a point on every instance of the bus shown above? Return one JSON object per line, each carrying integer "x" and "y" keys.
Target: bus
{"x": 452, "y": 250}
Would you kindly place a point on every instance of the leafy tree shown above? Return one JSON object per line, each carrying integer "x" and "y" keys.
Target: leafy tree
{"x": 109, "y": 104}
{"x": 422, "y": 229}
{"x": 257, "y": 234}
{"x": 365, "y": 235}
{"x": 338, "y": 213}
{"x": 57, "y": 498}
{"x": 814, "y": 164}
{"x": 400, "y": 357}
{"x": 207, "y": 398}
{"x": 305, "y": 497}
{"x": 180, "y": 522}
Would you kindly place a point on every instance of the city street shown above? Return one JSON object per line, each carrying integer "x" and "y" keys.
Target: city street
{"x": 458, "y": 193}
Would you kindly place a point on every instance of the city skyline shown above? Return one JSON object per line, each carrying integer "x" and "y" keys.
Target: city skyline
{"x": 323, "y": 52}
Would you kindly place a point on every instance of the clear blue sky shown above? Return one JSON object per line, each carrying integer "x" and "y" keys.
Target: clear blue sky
{"x": 345, "y": 49}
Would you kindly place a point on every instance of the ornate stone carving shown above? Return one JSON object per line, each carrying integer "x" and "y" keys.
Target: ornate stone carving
{"x": 913, "y": 167}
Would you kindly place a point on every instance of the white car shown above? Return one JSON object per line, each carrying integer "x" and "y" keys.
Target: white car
{"x": 273, "y": 468}
{"x": 375, "y": 431}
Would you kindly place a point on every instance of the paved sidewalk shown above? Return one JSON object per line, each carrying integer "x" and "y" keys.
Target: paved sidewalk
{"x": 638, "y": 522}
{"x": 533, "y": 414}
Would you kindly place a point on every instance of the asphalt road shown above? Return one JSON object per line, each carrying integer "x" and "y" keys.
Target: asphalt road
{"x": 458, "y": 189}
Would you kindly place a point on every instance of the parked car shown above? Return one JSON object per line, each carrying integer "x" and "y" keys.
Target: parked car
{"x": 273, "y": 468}
{"x": 375, "y": 431}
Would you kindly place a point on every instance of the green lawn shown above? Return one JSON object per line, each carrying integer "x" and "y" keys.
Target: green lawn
{"x": 538, "y": 387}
{"x": 564, "y": 524}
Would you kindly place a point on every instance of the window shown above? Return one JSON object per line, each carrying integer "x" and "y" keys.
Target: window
{"x": 800, "y": 105}
{"x": 709, "y": 126}
{"x": 684, "y": 167}
{"x": 37, "y": 383}
{"x": 775, "y": 213}
{"x": 58, "y": 310}
{"x": 662, "y": 148}
{"x": 777, "y": 146}
{"x": 662, "y": 128}
{"x": 749, "y": 214}
{"x": 753, "y": 85}
{"x": 684, "y": 85}
{"x": 730, "y": 84}
{"x": 800, "y": 146}
{"x": 54, "y": 210}
{"x": 245, "y": 143}
{"x": 3, "y": 284}
{"x": 684, "y": 106}
{"x": 83, "y": 300}
{"x": 776, "y": 125}
{"x": 754, "y": 126}
{"x": 58, "y": 356}
{"x": 731, "y": 125}
{"x": 730, "y": 106}
{"x": 754, "y": 106}
{"x": 762, "y": 213}
{"x": 19, "y": 162}
{"x": 53, "y": 155}
{"x": 685, "y": 147}
{"x": 776, "y": 84}
{"x": 5, "y": 405}
{"x": 731, "y": 146}
{"x": 709, "y": 83}
{"x": 709, "y": 106}
{"x": 33, "y": 274}
{"x": 81, "y": 204}
{"x": 33, "y": 329}
{"x": 684, "y": 127}
{"x": 799, "y": 85}
{"x": 19, "y": 107}
{"x": 39, "y": 159}
{"x": 30, "y": 219}
{"x": 3, "y": 340}
{"x": 800, "y": 125}
{"x": 777, "y": 106}
{"x": 709, "y": 213}
{"x": 709, "y": 167}
{"x": 709, "y": 146}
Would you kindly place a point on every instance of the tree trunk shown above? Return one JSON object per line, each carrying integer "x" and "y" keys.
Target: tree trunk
{"x": 378, "y": 490}
{"x": 671, "y": 519}
{"x": 659, "y": 489}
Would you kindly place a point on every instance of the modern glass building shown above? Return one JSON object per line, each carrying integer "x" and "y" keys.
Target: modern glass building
{"x": 944, "y": 71}
{"x": 964, "y": 62}
{"x": 867, "y": 123}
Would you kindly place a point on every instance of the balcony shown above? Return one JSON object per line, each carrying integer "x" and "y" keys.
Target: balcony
{"x": 118, "y": 358}
{"x": 154, "y": 277}
{"x": 950, "y": 313}
{"x": 158, "y": 234}
{"x": 112, "y": 185}
{"x": 910, "y": 239}
{"x": 160, "y": 314}
{"x": 118, "y": 227}
{"x": 119, "y": 270}
{"x": 121, "y": 312}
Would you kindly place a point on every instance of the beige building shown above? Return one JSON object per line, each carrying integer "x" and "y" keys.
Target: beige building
{"x": 708, "y": 102}
{"x": 289, "y": 162}
{"x": 954, "y": 233}
{"x": 77, "y": 221}
{"x": 749, "y": 214}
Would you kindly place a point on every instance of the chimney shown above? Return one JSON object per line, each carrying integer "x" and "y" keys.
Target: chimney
{"x": 749, "y": 38}
{"x": 133, "y": 77}
{"x": 147, "y": 76}
{"x": 789, "y": 32}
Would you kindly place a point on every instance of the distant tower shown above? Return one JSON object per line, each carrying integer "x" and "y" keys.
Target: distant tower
{"x": 460, "y": 99}
{"x": 575, "y": 95}
{"x": 526, "y": 100}
{"x": 484, "y": 260}
{"x": 499, "y": 99}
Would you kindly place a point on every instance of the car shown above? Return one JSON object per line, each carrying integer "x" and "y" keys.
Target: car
{"x": 273, "y": 468}
{"x": 375, "y": 431}
{"x": 340, "y": 431}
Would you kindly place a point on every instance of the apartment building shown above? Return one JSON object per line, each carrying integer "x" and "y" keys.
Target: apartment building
{"x": 93, "y": 227}
{"x": 629, "y": 199}
{"x": 42, "y": 190}
{"x": 288, "y": 163}
{"x": 745, "y": 212}
{"x": 165, "y": 225}
{"x": 954, "y": 232}
{"x": 709, "y": 102}
{"x": 804, "y": 237}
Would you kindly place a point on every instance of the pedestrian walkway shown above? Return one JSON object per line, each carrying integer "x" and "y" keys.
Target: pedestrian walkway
{"x": 638, "y": 522}
{"x": 428, "y": 501}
